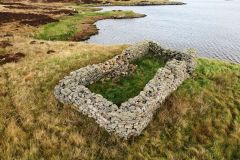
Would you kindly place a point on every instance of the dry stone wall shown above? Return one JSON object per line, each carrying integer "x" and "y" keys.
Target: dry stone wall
{"x": 132, "y": 116}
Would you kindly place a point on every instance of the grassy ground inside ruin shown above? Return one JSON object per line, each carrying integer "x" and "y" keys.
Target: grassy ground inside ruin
{"x": 81, "y": 25}
{"x": 201, "y": 120}
{"x": 120, "y": 90}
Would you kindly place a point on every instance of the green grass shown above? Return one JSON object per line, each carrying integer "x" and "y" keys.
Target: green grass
{"x": 68, "y": 26}
{"x": 201, "y": 120}
{"x": 120, "y": 90}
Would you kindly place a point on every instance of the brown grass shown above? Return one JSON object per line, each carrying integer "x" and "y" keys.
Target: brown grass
{"x": 37, "y": 12}
{"x": 21, "y": 108}
{"x": 200, "y": 120}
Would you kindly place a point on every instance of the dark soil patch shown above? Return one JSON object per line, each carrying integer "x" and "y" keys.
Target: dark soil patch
{"x": 33, "y": 7}
{"x": 50, "y": 51}
{"x": 30, "y": 19}
{"x": 87, "y": 31}
{"x": 8, "y": 3}
{"x": 91, "y": 1}
{"x": 71, "y": 44}
{"x": 38, "y": 22}
{"x": 33, "y": 42}
{"x": 11, "y": 58}
{"x": 20, "y": 7}
{"x": 4, "y": 94}
{"x": 8, "y": 35}
{"x": 4, "y": 44}
{"x": 62, "y": 1}
{"x": 62, "y": 11}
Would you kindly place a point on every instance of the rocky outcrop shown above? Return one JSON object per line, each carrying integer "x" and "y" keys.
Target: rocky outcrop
{"x": 132, "y": 116}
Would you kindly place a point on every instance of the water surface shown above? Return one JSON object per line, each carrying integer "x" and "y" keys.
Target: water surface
{"x": 212, "y": 27}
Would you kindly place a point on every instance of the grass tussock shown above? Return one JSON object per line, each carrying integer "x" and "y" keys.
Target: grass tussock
{"x": 201, "y": 120}
{"x": 120, "y": 90}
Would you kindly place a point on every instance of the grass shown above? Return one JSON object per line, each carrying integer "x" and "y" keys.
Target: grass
{"x": 120, "y": 90}
{"x": 80, "y": 26}
{"x": 2, "y": 51}
{"x": 201, "y": 120}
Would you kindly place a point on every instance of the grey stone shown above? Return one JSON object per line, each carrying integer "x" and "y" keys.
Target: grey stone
{"x": 132, "y": 116}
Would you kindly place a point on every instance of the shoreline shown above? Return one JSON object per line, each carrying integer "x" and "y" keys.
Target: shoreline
{"x": 147, "y": 3}
{"x": 81, "y": 30}
{"x": 91, "y": 29}
{"x": 151, "y": 4}
{"x": 84, "y": 27}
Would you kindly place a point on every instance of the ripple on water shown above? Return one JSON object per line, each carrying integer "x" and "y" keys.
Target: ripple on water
{"x": 209, "y": 26}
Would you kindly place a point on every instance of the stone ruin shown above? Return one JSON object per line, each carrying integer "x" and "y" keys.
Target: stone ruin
{"x": 131, "y": 117}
